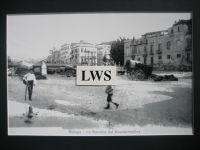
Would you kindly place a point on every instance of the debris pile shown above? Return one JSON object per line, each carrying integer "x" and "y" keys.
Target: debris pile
{"x": 11, "y": 72}
{"x": 40, "y": 77}
{"x": 163, "y": 78}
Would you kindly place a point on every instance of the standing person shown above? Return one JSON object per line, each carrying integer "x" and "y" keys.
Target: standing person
{"x": 109, "y": 91}
{"x": 30, "y": 80}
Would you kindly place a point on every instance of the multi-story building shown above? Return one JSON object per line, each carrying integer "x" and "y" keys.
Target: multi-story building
{"x": 168, "y": 46}
{"x": 54, "y": 56}
{"x": 103, "y": 50}
{"x": 128, "y": 50}
{"x": 83, "y": 53}
{"x": 65, "y": 54}
{"x": 49, "y": 57}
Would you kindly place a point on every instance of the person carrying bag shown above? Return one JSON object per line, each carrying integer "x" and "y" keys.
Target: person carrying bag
{"x": 29, "y": 80}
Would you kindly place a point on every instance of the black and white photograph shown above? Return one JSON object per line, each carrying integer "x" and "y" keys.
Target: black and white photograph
{"x": 152, "y": 54}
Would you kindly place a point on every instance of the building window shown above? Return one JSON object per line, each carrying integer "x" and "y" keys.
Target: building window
{"x": 159, "y": 46}
{"x": 178, "y": 42}
{"x": 178, "y": 55}
{"x": 178, "y": 29}
{"x": 168, "y": 45}
{"x": 138, "y": 59}
{"x": 188, "y": 42}
{"x": 172, "y": 31}
{"x": 145, "y": 49}
{"x": 127, "y": 51}
{"x": 168, "y": 56}
{"x": 138, "y": 50}
{"x": 81, "y": 49}
{"x": 159, "y": 57}
{"x": 151, "y": 48}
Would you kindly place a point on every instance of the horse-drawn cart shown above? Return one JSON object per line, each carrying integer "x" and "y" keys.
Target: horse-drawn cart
{"x": 137, "y": 71}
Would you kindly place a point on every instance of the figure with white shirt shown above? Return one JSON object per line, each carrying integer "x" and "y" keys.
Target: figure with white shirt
{"x": 44, "y": 68}
{"x": 30, "y": 80}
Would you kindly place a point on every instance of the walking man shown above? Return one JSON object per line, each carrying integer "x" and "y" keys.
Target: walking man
{"x": 109, "y": 91}
{"x": 30, "y": 80}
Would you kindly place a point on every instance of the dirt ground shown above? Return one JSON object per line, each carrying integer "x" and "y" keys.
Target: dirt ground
{"x": 165, "y": 103}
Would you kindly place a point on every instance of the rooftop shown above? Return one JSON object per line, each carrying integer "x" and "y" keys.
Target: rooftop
{"x": 150, "y": 33}
{"x": 183, "y": 22}
{"x": 107, "y": 43}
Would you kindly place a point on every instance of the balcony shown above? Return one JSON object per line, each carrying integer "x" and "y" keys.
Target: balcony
{"x": 151, "y": 53}
{"x": 160, "y": 63}
{"x": 188, "y": 32}
{"x": 93, "y": 57}
{"x": 138, "y": 53}
{"x": 133, "y": 56}
{"x": 171, "y": 34}
{"x": 144, "y": 54}
{"x": 159, "y": 51}
{"x": 187, "y": 48}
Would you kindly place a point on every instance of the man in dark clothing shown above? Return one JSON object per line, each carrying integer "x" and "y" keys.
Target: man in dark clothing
{"x": 109, "y": 91}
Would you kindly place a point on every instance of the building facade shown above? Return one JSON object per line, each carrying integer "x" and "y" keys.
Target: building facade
{"x": 171, "y": 46}
{"x": 65, "y": 54}
{"x": 83, "y": 53}
{"x": 54, "y": 56}
{"x": 103, "y": 51}
{"x": 128, "y": 50}
{"x": 50, "y": 57}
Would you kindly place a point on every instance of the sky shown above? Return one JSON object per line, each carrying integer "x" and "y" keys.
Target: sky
{"x": 33, "y": 35}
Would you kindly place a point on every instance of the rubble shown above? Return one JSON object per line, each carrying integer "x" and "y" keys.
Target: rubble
{"x": 163, "y": 78}
{"x": 11, "y": 72}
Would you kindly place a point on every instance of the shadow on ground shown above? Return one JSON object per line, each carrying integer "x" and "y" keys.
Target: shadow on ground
{"x": 174, "y": 112}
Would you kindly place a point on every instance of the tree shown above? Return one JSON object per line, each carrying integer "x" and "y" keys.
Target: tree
{"x": 117, "y": 51}
{"x": 105, "y": 59}
{"x": 9, "y": 59}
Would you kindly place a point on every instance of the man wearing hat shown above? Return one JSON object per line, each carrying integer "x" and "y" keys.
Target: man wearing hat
{"x": 30, "y": 80}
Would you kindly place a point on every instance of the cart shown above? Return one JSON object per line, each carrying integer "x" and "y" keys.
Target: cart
{"x": 137, "y": 71}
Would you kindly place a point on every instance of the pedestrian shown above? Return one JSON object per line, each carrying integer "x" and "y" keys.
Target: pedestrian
{"x": 109, "y": 91}
{"x": 30, "y": 80}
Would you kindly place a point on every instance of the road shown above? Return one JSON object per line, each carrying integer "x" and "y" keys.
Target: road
{"x": 60, "y": 103}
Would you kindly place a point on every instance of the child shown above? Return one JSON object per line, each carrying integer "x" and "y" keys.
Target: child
{"x": 109, "y": 91}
